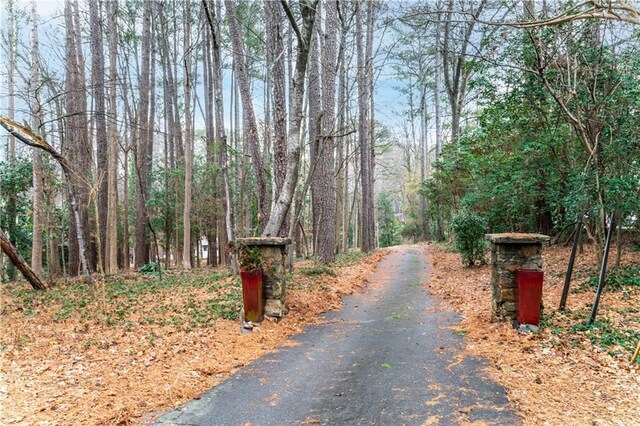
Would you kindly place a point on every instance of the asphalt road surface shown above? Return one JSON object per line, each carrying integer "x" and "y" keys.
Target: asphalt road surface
{"x": 390, "y": 357}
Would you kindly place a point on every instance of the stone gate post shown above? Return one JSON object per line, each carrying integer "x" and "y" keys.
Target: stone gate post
{"x": 511, "y": 251}
{"x": 273, "y": 252}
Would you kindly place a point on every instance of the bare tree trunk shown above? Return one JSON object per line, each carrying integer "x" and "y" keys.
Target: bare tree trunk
{"x": 97, "y": 83}
{"x": 142, "y": 145}
{"x": 248, "y": 114}
{"x": 20, "y": 263}
{"x": 281, "y": 206}
{"x": 314, "y": 103}
{"x": 214, "y": 16}
{"x": 371, "y": 17}
{"x": 38, "y": 177}
{"x": 325, "y": 203}
{"x": 275, "y": 50}
{"x": 456, "y": 74}
{"x": 11, "y": 143}
{"x": 341, "y": 159}
{"x": 11, "y": 70}
{"x": 424, "y": 152}
{"x": 438, "y": 117}
{"x": 111, "y": 255}
{"x": 78, "y": 145}
{"x": 126, "y": 233}
{"x": 368, "y": 224}
{"x": 188, "y": 148}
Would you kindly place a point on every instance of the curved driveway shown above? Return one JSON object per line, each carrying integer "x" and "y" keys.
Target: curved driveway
{"x": 389, "y": 357}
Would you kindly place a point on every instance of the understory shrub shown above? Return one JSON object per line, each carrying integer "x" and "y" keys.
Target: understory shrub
{"x": 468, "y": 230}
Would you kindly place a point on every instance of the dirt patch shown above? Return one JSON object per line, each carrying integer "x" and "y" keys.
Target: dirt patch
{"x": 127, "y": 348}
{"x": 566, "y": 373}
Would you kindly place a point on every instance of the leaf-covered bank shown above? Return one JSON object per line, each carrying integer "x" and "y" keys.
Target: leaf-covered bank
{"x": 136, "y": 345}
{"x": 567, "y": 373}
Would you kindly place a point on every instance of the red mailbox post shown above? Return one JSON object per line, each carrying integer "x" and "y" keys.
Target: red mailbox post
{"x": 252, "y": 295}
{"x": 529, "y": 286}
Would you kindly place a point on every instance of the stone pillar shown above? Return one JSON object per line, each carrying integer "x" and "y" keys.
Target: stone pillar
{"x": 509, "y": 252}
{"x": 274, "y": 254}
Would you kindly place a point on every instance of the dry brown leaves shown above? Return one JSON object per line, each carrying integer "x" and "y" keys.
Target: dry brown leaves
{"x": 548, "y": 381}
{"x": 50, "y": 376}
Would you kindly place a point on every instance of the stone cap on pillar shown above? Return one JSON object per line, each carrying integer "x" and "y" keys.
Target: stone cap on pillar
{"x": 516, "y": 238}
{"x": 261, "y": 241}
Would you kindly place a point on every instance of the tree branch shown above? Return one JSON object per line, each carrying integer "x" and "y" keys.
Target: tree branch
{"x": 292, "y": 21}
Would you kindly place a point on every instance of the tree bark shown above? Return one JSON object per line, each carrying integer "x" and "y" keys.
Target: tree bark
{"x": 11, "y": 143}
{"x": 78, "y": 147}
{"x": 38, "y": 176}
{"x": 248, "y": 114}
{"x": 367, "y": 208}
{"x": 188, "y": 148}
{"x": 20, "y": 263}
{"x": 214, "y": 17}
{"x": 456, "y": 74}
{"x": 325, "y": 202}
{"x": 282, "y": 204}
{"x": 314, "y": 105}
{"x": 111, "y": 255}
{"x": 97, "y": 83}
{"x": 437, "y": 87}
{"x": 276, "y": 52}
{"x": 142, "y": 145}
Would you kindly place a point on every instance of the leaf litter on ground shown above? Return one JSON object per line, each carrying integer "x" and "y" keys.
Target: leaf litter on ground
{"x": 567, "y": 372}
{"x": 135, "y": 345}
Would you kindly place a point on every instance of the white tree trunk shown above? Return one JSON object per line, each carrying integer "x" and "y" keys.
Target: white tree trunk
{"x": 188, "y": 145}
{"x": 38, "y": 202}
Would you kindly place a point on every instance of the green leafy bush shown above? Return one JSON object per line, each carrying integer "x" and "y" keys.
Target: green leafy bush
{"x": 468, "y": 230}
{"x": 151, "y": 268}
{"x": 249, "y": 258}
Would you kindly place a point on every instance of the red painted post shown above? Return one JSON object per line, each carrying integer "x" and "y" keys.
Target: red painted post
{"x": 529, "y": 287}
{"x": 252, "y": 295}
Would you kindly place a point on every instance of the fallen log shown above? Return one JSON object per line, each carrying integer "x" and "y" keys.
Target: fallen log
{"x": 20, "y": 263}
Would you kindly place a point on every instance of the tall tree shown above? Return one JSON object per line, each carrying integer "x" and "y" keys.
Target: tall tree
{"x": 188, "y": 148}
{"x": 304, "y": 37}
{"x": 36, "y": 123}
{"x": 11, "y": 144}
{"x": 97, "y": 85}
{"x": 324, "y": 207}
{"x": 214, "y": 17}
{"x": 142, "y": 154}
{"x": 111, "y": 256}
{"x": 17, "y": 259}
{"x": 276, "y": 64}
{"x": 457, "y": 40}
{"x": 77, "y": 143}
{"x": 366, "y": 149}
{"x": 248, "y": 115}
{"x": 437, "y": 88}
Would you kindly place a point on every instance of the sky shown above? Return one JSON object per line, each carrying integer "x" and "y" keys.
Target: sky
{"x": 388, "y": 102}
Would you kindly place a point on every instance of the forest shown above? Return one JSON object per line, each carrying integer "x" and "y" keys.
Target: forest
{"x": 150, "y": 134}
{"x": 141, "y": 141}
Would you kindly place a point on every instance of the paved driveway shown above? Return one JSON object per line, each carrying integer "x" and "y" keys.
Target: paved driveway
{"x": 389, "y": 357}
